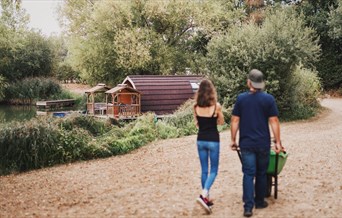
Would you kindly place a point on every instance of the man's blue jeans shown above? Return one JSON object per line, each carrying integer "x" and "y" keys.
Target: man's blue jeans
{"x": 208, "y": 151}
{"x": 254, "y": 165}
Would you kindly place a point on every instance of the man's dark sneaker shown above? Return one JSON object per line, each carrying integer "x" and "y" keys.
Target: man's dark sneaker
{"x": 260, "y": 206}
{"x": 204, "y": 202}
{"x": 247, "y": 213}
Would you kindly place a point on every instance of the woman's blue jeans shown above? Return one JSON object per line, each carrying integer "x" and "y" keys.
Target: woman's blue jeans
{"x": 254, "y": 165}
{"x": 208, "y": 152}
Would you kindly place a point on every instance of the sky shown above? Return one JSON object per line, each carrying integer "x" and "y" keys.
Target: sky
{"x": 43, "y": 15}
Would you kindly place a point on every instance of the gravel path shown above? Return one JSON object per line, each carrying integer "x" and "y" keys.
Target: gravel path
{"x": 162, "y": 179}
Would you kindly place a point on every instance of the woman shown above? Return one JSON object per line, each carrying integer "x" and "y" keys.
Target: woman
{"x": 208, "y": 114}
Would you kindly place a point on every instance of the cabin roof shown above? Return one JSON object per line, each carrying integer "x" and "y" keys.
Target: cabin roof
{"x": 120, "y": 87}
{"x": 163, "y": 94}
{"x": 101, "y": 87}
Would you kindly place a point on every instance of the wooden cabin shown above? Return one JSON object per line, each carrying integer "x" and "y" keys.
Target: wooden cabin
{"x": 96, "y": 99}
{"x": 123, "y": 102}
{"x": 163, "y": 94}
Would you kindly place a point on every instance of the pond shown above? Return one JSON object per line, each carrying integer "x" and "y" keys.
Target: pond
{"x": 10, "y": 113}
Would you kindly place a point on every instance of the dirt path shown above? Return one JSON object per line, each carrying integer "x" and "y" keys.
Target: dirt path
{"x": 162, "y": 180}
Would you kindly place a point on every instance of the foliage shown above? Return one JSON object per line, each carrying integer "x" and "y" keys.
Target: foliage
{"x": 45, "y": 142}
{"x": 166, "y": 131}
{"x": 335, "y": 22}
{"x": 30, "y": 90}
{"x": 111, "y": 39}
{"x": 65, "y": 73}
{"x": 25, "y": 55}
{"x": 13, "y": 15}
{"x": 23, "y": 52}
{"x": 88, "y": 123}
{"x": 62, "y": 70}
{"x": 323, "y": 16}
{"x": 275, "y": 48}
{"x": 183, "y": 119}
{"x": 306, "y": 89}
{"x": 3, "y": 85}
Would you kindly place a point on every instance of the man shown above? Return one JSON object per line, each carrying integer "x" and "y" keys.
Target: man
{"x": 253, "y": 112}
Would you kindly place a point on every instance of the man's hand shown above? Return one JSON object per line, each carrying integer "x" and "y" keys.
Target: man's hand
{"x": 234, "y": 146}
{"x": 278, "y": 147}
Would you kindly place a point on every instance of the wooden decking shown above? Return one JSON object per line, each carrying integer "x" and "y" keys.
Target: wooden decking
{"x": 55, "y": 103}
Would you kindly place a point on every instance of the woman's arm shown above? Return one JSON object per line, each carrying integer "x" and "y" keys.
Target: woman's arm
{"x": 220, "y": 117}
{"x": 195, "y": 116}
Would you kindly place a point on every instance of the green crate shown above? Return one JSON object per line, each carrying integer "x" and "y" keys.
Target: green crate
{"x": 281, "y": 162}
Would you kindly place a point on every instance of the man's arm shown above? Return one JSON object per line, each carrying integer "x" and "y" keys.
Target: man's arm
{"x": 234, "y": 127}
{"x": 274, "y": 122}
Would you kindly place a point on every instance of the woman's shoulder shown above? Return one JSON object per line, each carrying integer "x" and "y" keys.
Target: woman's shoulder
{"x": 218, "y": 105}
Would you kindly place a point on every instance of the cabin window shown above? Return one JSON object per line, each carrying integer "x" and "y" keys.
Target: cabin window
{"x": 194, "y": 86}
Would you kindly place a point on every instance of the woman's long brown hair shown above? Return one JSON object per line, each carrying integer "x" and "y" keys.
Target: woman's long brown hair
{"x": 206, "y": 95}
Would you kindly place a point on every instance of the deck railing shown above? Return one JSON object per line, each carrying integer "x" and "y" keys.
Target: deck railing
{"x": 123, "y": 110}
{"x": 129, "y": 110}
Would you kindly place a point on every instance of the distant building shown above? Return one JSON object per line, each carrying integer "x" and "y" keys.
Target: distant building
{"x": 163, "y": 94}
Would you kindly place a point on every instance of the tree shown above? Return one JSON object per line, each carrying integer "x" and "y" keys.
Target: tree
{"x": 335, "y": 22}
{"x": 29, "y": 56}
{"x": 111, "y": 39}
{"x": 13, "y": 15}
{"x": 276, "y": 48}
{"x": 23, "y": 53}
{"x": 321, "y": 14}
{"x": 3, "y": 85}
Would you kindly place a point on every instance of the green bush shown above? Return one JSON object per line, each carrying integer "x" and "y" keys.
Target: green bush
{"x": 166, "y": 131}
{"x": 44, "y": 142}
{"x": 92, "y": 125}
{"x": 131, "y": 136}
{"x": 145, "y": 126}
{"x": 275, "y": 48}
{"x": 28, "y": 145}
{"x": 32, "y": 89}
{"x": 3, "y": 85}
{"x": 72, "y": 144}
{"x": 305, "y": 88}
{"x": 183, "y": 119}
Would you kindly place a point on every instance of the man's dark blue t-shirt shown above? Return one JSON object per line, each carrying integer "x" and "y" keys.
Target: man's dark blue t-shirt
{"x": 254, "y": 109}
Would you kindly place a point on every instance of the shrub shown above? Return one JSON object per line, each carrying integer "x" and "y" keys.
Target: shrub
{"x": 183, "y": 119}
{"x": 31, "y": 89}
{"x": 28, "y": 145}
{"x": 166, "y": 131}
{"x": 3, "y": 85}
{"x": 305, "y": 88}
{"x": 44, "y": 142}
{"x": 94, "y": 126}
{"x": 145, "y": 126}
{"x": 275, "y": 48}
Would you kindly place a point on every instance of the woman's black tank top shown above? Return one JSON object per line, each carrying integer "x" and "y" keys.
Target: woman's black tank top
{"x": 207, "y": 128}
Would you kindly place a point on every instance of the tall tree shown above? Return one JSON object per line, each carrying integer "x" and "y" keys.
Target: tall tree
{"x": 23, "y": 52}
{"x": 13, "y": 15}
{"x": 275, "y": 47}
{"x": 317, "y": 15}
{"x": 111, "y": 39}
{"x": 335, "y": 22}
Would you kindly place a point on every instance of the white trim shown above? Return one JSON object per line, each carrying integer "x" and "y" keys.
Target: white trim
{"x": 129, "y": 80}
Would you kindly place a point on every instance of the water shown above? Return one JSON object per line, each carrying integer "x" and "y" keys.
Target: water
{"x": 10, "y": 113}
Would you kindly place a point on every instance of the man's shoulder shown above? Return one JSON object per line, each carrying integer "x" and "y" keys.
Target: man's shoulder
{"x": 243, "y": 94}
{"x": 267, "y": 95}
